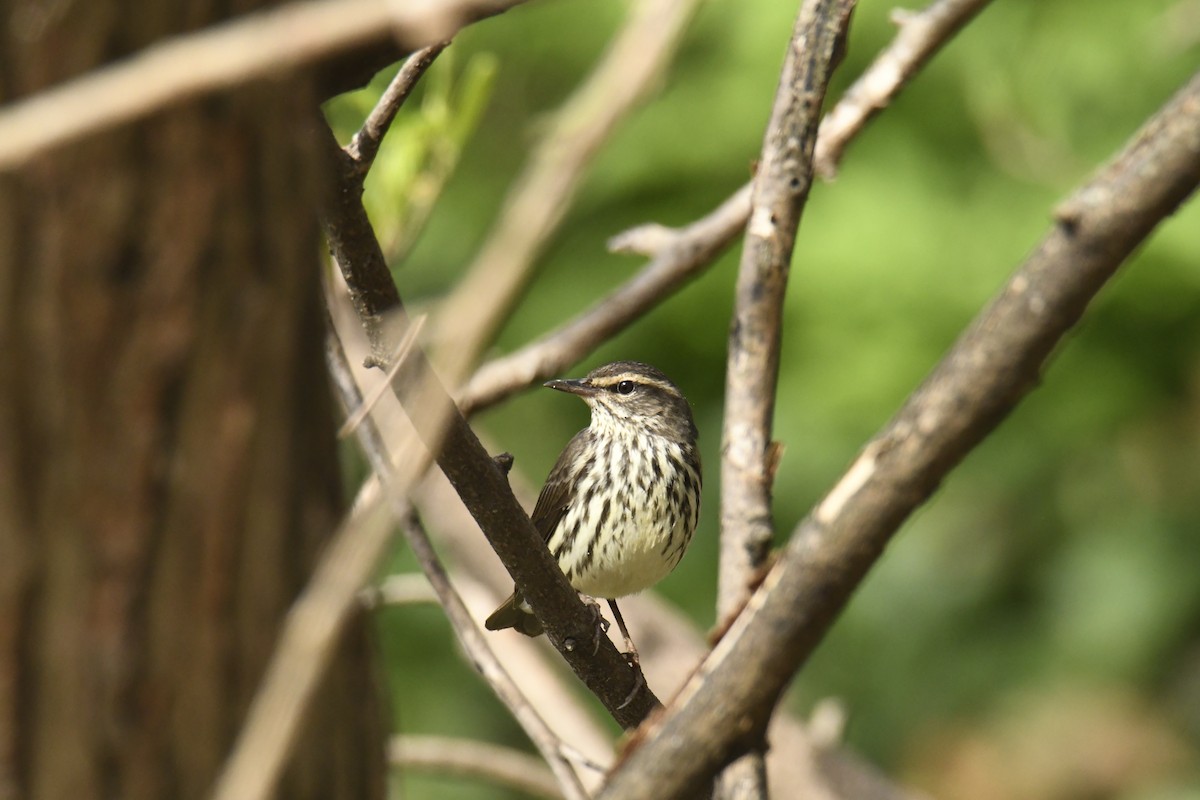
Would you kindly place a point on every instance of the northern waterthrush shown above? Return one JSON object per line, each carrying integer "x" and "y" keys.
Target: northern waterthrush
{"x": 621, "y": 503}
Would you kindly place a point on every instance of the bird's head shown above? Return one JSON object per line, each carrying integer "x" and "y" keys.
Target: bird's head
{"x": 633, "y": 394}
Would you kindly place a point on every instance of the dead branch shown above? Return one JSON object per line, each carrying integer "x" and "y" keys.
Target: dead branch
{"x": 781, "y": 186}
{"x": 464, "y": 757}
{"x": 251, "y": 47}
{"x": 365, "y": 145}
{"x": 672, "y": 647}
{"x": 479, "y": 654}
{"x": 680, "y": 255}
{"x": 921, "y": 35}
{"x": 471, "y": 316}
{"x": 479, "y": 482}
{"x": 994, "y": 364}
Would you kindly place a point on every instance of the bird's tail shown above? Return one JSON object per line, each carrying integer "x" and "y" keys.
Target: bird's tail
{"x": 514, "y": 613}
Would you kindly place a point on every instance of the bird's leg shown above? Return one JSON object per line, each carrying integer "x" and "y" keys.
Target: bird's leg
{"x": 601, "y": 623}
{"x": 631, "y": 656}
{"x": 631, "y": 653}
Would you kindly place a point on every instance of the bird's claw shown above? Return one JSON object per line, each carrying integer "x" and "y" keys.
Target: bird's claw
{"x": 601, "y": 624}
{"x": 639, "y": 679}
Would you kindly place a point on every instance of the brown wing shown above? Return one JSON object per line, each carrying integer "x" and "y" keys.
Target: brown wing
{"x": 550, "y": 507}
{"x": 556, "y": 493}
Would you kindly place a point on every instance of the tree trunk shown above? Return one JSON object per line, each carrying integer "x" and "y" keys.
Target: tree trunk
{"x": 167, "y": 462}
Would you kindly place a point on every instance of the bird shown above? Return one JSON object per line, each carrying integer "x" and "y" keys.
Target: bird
{"x": 622, "y": 502}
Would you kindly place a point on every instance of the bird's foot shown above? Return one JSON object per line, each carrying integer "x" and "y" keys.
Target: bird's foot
{"x": 639, "y": 679}
{"x": 601, "y": 629}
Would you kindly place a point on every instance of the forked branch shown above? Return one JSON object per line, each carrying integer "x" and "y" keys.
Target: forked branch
{"x": 680, "y": 255}
{"x": 994, "y": 364}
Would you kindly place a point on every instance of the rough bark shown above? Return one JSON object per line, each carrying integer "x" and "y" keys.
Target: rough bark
{"x": 167, "y": 462}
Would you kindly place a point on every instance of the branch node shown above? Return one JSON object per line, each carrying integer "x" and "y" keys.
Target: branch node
{"x": 645, "y": 240}
{"x": 504, "y": 461}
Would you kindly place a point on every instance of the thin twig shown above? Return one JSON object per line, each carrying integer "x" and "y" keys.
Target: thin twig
{"x": 479, "y": 482}
{"x": 309, "y": 637}
{"x": 371, "y": 288}
{"x": 994, "y": 364}
{"x": 781, "y": 188}
{"x": 469, "y": 636}
{"x": 484, "y": 660}
{"x": 356, "y": 415}
{"x": 671, "y": 647}
{"x": 748, "y": 457}
{"x": 680, "y": 255}
{"x": 469, "y": 319}
{"x": 399, "y": 590}
{"x": 536, "y": 668}
{"x": 473, "y": 759}
{"x": 687, "y": 253}
{"x": 249, "y": 47}
{"x": 921, "y": 35}
{"x": 365, "y": 145}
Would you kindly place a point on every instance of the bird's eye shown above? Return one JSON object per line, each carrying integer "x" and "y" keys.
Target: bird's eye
{"x": 625, "y": 387}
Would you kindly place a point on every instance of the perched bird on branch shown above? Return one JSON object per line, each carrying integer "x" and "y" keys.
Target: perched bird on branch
{"x": 622, "y": 502}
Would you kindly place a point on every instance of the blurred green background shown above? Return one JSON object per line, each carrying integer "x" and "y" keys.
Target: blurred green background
{"x": 1034, "y": 631}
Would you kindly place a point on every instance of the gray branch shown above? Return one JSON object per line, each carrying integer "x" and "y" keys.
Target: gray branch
{"x": 781, "y": 187}
{"x": 994, "y": 364}
{"x": 365, "y": 145}
{"x": 922, "y": 34}
{"x": 680, "y": 255}
{"x": 481, "y": 484}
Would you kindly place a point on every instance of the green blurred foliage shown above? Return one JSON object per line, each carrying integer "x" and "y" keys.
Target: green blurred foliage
{"x": 1051, "y": 590}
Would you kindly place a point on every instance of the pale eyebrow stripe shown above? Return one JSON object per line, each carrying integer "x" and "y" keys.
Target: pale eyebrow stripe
{"x": 613, "y": 380}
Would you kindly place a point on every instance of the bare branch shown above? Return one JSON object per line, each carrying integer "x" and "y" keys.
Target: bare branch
{"x": 469, "y": 636}
{"x": 995, "y": 363}
{"x": 250, "y": 47}
{"x": 748, "y": 460}
{"x": 780, "y": 191}
{"x": 399, "y": 590}
{"x": 800, "y": 764}
{"x": 687, "y": 252}
{"x": 484, "y": 660}
{"x": 365, "y": 145}
{"x": 471, "y": 316}
{"x": 501, "y": 765}
{"x": 679, "y": 255}
{"x": 921, "y": 35}
{"x": 479, "y": 482}
{"x": 535, "y": 667}
{"x": 310, "y": 634}
{"x": 362, "y": 410}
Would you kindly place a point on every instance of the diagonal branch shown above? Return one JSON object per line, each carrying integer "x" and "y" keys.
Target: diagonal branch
{"x": 470, "y": 317}
{"x": 310, "y": 635}
{"x": 802, "y": 762}
{"x": 484, "y": 489}
{"x": 922, "y": 34}
{"x": 503, "y": 766}
{"x": 781, "y": 187}
{"x": 250, "y": 47}
{"x": 365, "y": 145}
{"x": 994, "y": 364}
{"x": 469, "y": 636}
{"x": 680, "y": 255}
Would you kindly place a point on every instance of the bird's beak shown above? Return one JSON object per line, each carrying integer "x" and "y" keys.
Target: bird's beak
{"x": 579, "y": 387}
